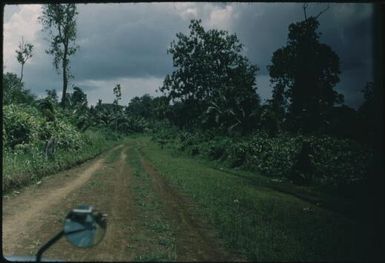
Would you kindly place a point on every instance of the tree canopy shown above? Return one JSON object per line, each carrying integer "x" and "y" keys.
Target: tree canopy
{"x": 60, "y": 21}
{"x": 23, "y": 53}
{"x": 211, "y": 74}
{"x": 304, "y": 74}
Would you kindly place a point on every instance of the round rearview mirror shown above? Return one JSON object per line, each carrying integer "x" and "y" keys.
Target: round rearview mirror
{"x": 84, "y": 227}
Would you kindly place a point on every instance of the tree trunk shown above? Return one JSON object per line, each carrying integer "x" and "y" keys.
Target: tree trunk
{"x": 65, "y": 76}
{"x": 21, "y": 74}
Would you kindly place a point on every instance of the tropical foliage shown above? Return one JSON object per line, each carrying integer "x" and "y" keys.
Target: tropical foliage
{"x": 304, "y": 73}
{"x": 212, "y": 79}
{"x": 13, "y": 90}
{"x": 332, "y": 162}
{"x": 210, "y": 108}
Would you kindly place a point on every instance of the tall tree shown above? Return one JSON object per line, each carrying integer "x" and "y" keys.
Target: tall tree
{"x": 211, "y": 72}
{"x": 23, "y": 54}
{"x": 60, "y": 21}
{"x": 304, "y": 74}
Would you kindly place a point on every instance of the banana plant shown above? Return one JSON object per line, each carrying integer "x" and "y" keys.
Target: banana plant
{"x": 231, "y": 113}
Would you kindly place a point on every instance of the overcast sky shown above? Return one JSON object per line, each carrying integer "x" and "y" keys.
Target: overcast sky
{"x": 126, "y": 43}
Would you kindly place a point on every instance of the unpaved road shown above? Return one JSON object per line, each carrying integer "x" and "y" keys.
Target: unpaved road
{"x": 146, "y": 221}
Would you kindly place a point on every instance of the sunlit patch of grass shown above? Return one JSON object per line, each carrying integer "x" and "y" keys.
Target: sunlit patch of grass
{"x": 258, "y": 221}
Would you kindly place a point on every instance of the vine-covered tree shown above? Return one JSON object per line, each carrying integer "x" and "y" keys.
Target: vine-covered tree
{"x": 52, "y": 94}
{"x": 60, "y": 21}
{"x": 118, "y": 93}
{"x": 304, "y": 74}
{"x": 23, "y": 53}
{"x": 81, "y": 116}
{"x": 78, "y": 98}
{"x": 212, "y": 79}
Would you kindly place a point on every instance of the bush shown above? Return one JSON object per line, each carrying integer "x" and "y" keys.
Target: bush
{"x": 25, "y": 132}
{"x": 216, "y": 148}
{"x": 21, "y": 125}
{"x": 328, "y": 161}
{"x": 27, "y": 163}
{"x": 25, "y": 127}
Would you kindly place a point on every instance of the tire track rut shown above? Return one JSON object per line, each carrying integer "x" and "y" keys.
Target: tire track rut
{"x": 18, "y": 223}
{"x": 194, "y": 240}
{"x": 34, "y": 216}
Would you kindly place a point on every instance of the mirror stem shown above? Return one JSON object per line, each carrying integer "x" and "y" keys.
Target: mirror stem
{"x": 48, "y": 244}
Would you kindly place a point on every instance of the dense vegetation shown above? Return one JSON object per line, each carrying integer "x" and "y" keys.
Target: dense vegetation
{"x": 41, "y": 138}
{"x": 211, "y": 108}
{"x": 302, "y": 159}
{"x": 304, "y": 135}
{"x": 258, "y": 219}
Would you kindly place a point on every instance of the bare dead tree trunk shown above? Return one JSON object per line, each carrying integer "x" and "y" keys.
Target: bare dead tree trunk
{"x": 305, "y": 5}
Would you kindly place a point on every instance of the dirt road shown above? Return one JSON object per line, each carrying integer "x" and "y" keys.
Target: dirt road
{"x": 147, "y": 218}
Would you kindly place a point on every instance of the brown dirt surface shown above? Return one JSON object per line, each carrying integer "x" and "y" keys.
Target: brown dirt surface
{"x": 36, "y": 214}
{"x": 18, "y": 213}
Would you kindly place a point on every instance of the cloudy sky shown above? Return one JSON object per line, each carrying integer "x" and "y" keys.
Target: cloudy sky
{"x": 126, "y": 43}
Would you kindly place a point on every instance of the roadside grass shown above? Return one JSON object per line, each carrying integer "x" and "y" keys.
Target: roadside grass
{"x": 352, "y": 207}
{"x": 24, "y": 168}
{"x": 255, "y": 219}
{"x": 353, "y": 204}
{"x": 156, "y": 239}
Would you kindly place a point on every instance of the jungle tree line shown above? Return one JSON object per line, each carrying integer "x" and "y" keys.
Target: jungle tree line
{"x": 213, "y": 85}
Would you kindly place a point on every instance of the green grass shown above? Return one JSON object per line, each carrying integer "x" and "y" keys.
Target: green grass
{"x": 262, "y": 223}
{"x": 155, "y": 236}
{"x": 352, "y": 207}
{"x": 113, "y": 156}
{"x": 351, "y": 201}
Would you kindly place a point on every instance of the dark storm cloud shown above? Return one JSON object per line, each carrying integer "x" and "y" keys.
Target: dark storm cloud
{"x": 128, "y": 42}
{"x": 125, "y": 40}
{"x": 263, "y": 29}
{"x": 347, "y": 28}
{"x": 351, "y": 41}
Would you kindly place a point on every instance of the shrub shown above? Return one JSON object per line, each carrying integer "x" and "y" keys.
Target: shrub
{"x": 21, "y": 124}
{"x": 328, "y": 161}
